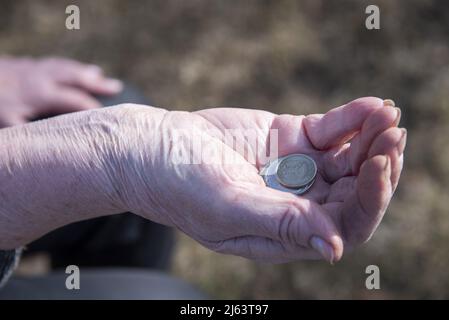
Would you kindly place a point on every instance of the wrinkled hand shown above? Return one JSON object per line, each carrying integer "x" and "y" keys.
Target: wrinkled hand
{"x": 30, "y": 88}
{"x": 226, "y": 207}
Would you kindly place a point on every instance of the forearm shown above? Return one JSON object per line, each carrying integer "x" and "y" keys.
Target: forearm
{"x": 53, "y": 173}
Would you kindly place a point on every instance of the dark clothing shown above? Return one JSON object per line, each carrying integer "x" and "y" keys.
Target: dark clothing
{"x": 124, "y": 240}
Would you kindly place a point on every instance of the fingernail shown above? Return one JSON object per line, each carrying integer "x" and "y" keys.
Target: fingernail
{"x": 114, "y": 85}
{"x": 387, "y": 162}
{"x": 324, "y": 248}
{"x": 389, "y": 102}
{"x": 398, "y": 116}
{"x": 402, "y": 141}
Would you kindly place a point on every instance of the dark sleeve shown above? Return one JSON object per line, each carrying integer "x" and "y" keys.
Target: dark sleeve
{"x": 8, "y": 261}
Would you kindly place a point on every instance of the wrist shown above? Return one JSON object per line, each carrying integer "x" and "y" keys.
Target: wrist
{"x": 134, "y": 160}
{"x": 53, "y": 173}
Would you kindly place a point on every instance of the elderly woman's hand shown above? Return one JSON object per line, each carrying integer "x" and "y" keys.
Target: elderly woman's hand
{"x": 176, "y": 170}
{"x": 199, "y": 172}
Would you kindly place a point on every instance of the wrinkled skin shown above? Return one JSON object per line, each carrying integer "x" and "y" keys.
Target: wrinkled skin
{"x": 226, "y": 207}
{"x": 30, "y": 88}
{"x": 106, "y": 161}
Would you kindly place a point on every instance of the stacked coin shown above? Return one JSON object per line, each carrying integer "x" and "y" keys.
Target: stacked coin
{"x": 294, "y": 173}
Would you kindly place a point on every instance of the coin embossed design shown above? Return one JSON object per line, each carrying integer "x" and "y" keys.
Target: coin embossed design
{"x": 300, "y": 173}
{"x": 296, "y": 170}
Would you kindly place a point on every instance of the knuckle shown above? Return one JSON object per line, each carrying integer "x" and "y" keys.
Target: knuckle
{"x": 290, "y": 223}
{"x": 310, "y": 127}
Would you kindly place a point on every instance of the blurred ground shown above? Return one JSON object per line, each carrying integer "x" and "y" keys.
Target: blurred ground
{"x": 286, "y": 57}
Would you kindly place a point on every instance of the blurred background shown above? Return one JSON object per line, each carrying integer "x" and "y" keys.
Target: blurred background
{"x": 284, "y": 56}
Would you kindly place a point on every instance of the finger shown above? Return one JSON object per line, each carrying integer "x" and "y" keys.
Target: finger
{"x": 11, "y": 120}
{"x": 392, "y": 143}
{"x": 70, "y": 100}
{"x": 378, "y": 122}
{"x": 87, "y": 77}
{"x": 264, "y": 212}
{"x": 362, "y": 211}
{"x": 264, "y": 250}
{"x": 15, "y": 115}
{"x": 96, "y": 83}
{"x": 292, "y": 137}
{"x": 346, "y": 160}
{"x": 341, "y": 188}
{"x": 319, "y": 191}
{"x": 338, "y": 125}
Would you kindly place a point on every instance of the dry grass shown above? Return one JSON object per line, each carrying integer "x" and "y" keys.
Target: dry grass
{"x": 283, "y": 56}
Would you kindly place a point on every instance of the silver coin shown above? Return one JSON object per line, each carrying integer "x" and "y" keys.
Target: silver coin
{"x": 271, "y": 181}
{"x": 269, "y": 175}
{"x": 296, "y": 170}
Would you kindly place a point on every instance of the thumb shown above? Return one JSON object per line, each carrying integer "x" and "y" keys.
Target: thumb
{"x": 290, "y": 226}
